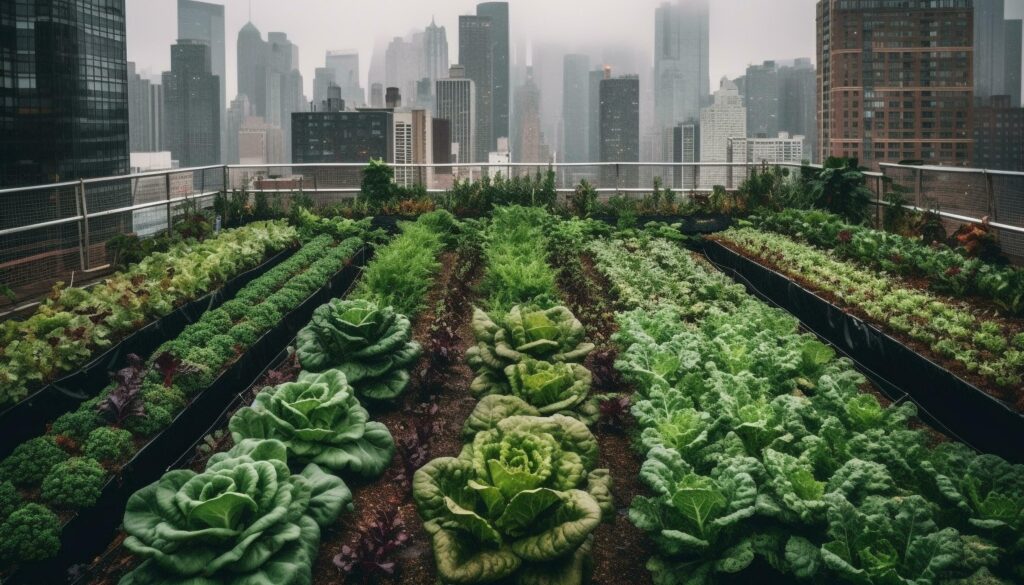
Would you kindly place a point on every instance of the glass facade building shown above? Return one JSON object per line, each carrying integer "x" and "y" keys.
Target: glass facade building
{"x": 63, "y": 90}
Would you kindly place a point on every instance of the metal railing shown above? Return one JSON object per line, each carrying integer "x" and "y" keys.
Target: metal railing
{"x": 60, "y": 231}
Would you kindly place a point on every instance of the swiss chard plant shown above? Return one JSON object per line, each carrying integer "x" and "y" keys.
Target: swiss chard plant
{"x": 370, "y": 344}
{"x": 246, "y": 519}
{"x": 319, "y": 420}
{"x": 520, "y": 502}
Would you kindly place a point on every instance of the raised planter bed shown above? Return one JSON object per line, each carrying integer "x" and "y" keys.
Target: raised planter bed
{"x": 26, "y": 419}
{"x": 88, "y": 532}
{"x": 974, "y": 416}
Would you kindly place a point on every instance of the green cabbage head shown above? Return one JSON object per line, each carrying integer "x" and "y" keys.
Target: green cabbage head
{"x": 520, "y": 503}
{"x": 319, "y": 420}
{"x": 371, "y": 345}
{"x": 246, "y": 520}
{"x": 552, "y": 335}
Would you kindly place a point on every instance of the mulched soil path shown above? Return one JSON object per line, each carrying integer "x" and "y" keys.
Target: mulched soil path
{"x": 414, "y": 563}
{"x": 620, "y": 549}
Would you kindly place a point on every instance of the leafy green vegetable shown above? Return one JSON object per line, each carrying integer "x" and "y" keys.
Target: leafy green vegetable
{"x": 320, "y": 421}
{"x": 75, "y": 483}
{"x": 520, "y": 501}
{"x": 31, "y": 533}
{"x": 31, "y": 461}
{"x": 552, "y": 335}
{"x": 370, "y": 344}
{"x": 246, "y": 519}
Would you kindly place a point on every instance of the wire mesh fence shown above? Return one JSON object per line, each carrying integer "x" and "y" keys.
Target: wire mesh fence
{"x": 58, "y": 232}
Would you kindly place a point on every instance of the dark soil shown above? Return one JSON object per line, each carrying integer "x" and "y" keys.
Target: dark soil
{"x": 1012, "y": 396}
{"x": 620, "y": 549}
{"x": 414, "y": 563}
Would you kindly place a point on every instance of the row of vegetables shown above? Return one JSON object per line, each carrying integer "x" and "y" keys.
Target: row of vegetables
{"x": 947, "y": 270}
{"x": 256, "y": 513}
{"x": 72, "y": 324}
{"x": 51, "y": 477}
{"x": 521, "y": 500}
{"x": 764, "y": 455}
{"x": 983, "y": 345}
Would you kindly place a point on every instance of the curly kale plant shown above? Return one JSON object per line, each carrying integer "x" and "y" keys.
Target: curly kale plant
{"x": 520, "y": 502}
{"x": 31, "y": 533}
{"x": 75, "y": 483}
{"x": 244, "y": 520}
{"x": 371, "y": 345}
{"x": 31, "y": 461}
{"x": 552, "y": 335}
{"x": 320, "y": 420}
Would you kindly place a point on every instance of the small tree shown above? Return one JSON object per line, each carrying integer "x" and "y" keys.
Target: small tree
{"x": 378, "y": 185}
{"x": 841, "y": 188}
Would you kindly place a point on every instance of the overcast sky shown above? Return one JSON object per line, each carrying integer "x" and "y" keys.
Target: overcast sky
{"x": 742, "y": 31}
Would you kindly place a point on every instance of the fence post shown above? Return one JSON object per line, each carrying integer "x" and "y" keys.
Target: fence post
{"x": 226, "y": 179}
{"x": 917, "y": 191}
{"x": 990, "y": 195}
{"x": 83, "y": 225}
{"x": 618, "y": 182}
{"x": 170, "y": 213}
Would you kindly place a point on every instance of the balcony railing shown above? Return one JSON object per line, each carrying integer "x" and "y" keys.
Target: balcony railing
{"x": 60, "y": 231}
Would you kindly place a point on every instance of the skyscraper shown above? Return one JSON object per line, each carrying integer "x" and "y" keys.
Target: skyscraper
{"x": 252, "y": 68}
{"x": 620, "y": 127}
{"x": 594, "y": 114}
{"x": 456, "y": 102}
{"x": 798, "y": 104}
{"x": 237, "y": 114}
{"x": 762, "y": 100}
{"x": 323, "y": 79}
{"x": 527, "y": 145}
{"x": 337, "y": 137}
{"x": 876, "y": 108}
{"x": 139, "y": 112}
{"x": 682, "y": 82}
{"x": 203, "y": 21}
{"x": 720, "y": 123}
{"x": 377, "y": 95}
{"x": 476, "y": 54}
{"x": 64, "y": 114}
{"x": 192, "y": 105}
{"x": 498, "y": 13}
{"x": 435, "y": 53}
{"x": 284, "y": 85}
{"x": 997, "y": 50}
{"x": 403, "y": 65}
{"x": 346, "y": 74}
{"x": 999, "y": 134}
{"x": 576, "y": 108}
{"x": 686, "y": 149}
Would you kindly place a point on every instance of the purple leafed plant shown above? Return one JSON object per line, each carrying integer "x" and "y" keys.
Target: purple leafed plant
{"x": 370, "y": 559}
{"x": 125, "y": 400}
{"x": 170, "y": 365}
{"x": 614, "y": 412}
{"x": 415, "y": 448}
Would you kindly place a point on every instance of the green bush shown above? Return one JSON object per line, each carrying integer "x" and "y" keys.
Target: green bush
{"x": 9, "y": 499}
{"x": 76, "y": 424}
{"x": 109, "y": 444}
{"x": 31, "y": 533}
{"x": 75, "y": 483}
{"x": 378, "y": 185}
{"x": 31, "y": 461}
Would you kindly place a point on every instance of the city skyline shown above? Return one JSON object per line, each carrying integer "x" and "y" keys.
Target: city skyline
{"x": 532, "y": 23}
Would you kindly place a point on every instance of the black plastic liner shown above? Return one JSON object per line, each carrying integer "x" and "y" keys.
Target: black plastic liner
{"x": 965, "y": 411}
{"x": 27, "y": 419}
{"x": 697, "y": 223}
{"x": 90, "y": 531}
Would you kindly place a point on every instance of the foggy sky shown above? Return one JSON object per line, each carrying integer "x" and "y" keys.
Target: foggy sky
{"x": 742, "y": 31}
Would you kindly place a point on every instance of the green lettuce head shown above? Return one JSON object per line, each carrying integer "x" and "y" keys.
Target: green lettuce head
{"x": 320, "y": 421}
{"x": 552, "y": 335}
{"x": 245, "y": 520}
{"x": 520, "y": 502}
{"x": 371, "y": 345}
{"x": 553, "y": 388}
